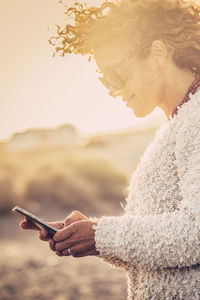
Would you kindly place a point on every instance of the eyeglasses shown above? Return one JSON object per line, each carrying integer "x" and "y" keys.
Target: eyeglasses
{"x": 111, "y": 79}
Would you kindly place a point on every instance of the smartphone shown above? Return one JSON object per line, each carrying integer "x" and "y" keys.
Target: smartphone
{"x": 35, "y": 220}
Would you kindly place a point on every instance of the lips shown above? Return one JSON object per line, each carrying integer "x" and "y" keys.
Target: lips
{"x": 128, "y": 102}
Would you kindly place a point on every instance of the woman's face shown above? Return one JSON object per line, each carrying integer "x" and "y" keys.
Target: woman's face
{"x": 137, "y": 81}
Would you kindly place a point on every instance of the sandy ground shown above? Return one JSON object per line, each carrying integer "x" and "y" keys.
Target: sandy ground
{"x": 30, "y": 270}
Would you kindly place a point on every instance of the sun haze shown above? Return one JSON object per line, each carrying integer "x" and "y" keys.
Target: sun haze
{"x": 38, "y": 90}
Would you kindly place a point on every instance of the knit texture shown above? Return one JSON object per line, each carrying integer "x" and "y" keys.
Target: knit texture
{"x": 192, "y": 90}
{"x": 157, "y": 239}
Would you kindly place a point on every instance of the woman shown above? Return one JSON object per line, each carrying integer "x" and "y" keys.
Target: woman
{"x": 148, "y": 52}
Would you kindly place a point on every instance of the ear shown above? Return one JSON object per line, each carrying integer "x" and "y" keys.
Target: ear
{"x": 159, "y": 53}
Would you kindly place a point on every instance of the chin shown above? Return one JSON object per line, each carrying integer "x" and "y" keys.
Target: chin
{"x": 140, "y": 114}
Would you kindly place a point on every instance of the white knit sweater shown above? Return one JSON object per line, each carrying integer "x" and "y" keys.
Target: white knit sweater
{"x": 157, "y": 240}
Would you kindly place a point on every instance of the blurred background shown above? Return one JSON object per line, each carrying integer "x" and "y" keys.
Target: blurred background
{"x": 64, "y": 145}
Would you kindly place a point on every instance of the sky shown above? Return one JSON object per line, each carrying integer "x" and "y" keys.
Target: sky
{"x": 39, "y": 90}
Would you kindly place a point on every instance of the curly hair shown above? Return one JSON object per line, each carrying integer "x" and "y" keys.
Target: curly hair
{"x": 135, "y": 23}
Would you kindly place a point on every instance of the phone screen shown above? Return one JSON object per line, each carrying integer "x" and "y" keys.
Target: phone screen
{"x": 35, "y": 220}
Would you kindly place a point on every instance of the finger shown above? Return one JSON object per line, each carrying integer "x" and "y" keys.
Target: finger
{"x": 57, "y": 225}
{"x": 52, "y": 245}
{"x": 66, "y": 252}
{"x": 78, "y": 248}
{"x": 44, "y": 235}
{"x": 63, "y": 234}
{"x": 65, "y": 244}
{"x": 73, "y": 217}
{"x": 58, "y": 253}
{"x": 25, "y": 224}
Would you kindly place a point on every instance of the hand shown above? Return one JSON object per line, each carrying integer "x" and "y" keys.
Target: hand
{"x": 79, "y": 237}
{"x": 43, "y": 233}
{"x": 73, "y": 217}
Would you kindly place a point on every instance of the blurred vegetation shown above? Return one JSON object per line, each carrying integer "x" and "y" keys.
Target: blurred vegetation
{"x": 59, "y": 178}
{"x": 51, "y": 182}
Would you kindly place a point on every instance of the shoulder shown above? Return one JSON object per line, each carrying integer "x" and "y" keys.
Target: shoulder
{"x": 186, "y": 126}
{"x": 187, "y": 120}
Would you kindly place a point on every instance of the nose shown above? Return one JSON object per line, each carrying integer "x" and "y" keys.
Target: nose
{"x": 123, "y": 93}
{"x": 113, "y": 92}
{"x": 126, "y": 95}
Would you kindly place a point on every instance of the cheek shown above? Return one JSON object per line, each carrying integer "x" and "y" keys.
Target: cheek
{"x": 135, "y": 84}
{"x": 141, "y": 78}
{"x": 138, "y": 79}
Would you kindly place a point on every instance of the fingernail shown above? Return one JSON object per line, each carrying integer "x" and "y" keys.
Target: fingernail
{"x": 58, "y": 253}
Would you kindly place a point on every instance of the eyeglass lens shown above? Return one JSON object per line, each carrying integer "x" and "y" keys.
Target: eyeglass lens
{"x": 112, "y": 79}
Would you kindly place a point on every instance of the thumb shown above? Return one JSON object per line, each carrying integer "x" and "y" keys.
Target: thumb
{"x": 74, "y": 217}
{"x": 57, "y": 225}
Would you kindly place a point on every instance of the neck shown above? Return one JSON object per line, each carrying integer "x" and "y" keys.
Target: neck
{"x": 174, "y": 89}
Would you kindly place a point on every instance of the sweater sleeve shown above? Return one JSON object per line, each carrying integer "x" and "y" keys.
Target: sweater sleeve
{"x": 161, "y": 240}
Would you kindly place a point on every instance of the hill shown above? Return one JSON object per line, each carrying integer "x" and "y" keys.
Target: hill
{"x": 69, "y": 170}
